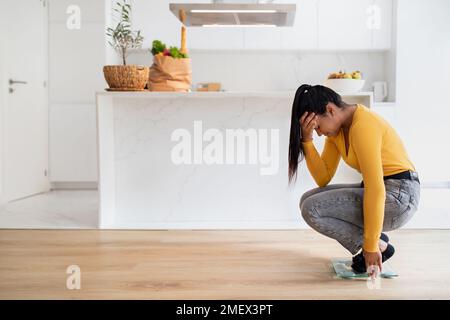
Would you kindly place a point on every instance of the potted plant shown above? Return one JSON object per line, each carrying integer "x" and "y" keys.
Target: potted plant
{"x": 123, "y": 39}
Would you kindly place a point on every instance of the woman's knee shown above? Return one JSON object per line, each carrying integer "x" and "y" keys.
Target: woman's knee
{"x": 302, "y": 200}
{"x": 307, "y": 210}
{"x": 306, "y": 195}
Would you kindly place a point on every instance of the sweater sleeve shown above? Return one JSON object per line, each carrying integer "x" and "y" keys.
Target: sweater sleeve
{"x": 366, "y": 142}
{"x": 322, "y": 167}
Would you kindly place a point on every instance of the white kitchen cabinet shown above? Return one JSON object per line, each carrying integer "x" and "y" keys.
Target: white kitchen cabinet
{"x": 382, "y": 36}
{"x": 303, "y": 34}
{"x": 330, "y": 25}
{"x": 355, "y": 24}
{"x": 343, "y": 24}
{"x": 318, "y": 24}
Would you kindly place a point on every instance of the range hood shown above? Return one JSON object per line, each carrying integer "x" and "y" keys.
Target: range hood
{"x": 236, "y": 14}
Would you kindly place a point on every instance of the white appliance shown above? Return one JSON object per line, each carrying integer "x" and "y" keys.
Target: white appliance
{"x": 234, "y": 14}
{"x": 379, "y": 89}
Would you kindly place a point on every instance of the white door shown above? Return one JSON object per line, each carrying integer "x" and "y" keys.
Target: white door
{"x": 24, "y": 92}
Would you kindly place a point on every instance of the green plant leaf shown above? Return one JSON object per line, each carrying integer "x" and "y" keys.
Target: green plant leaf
{"x": 122, "y": 37}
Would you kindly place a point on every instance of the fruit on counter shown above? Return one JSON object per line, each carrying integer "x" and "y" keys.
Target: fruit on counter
{"x": 345, "y": 75}
{"x": 333, "y": 75}
{"x": 159, "y": 48}
{"x": 356, "y": 75}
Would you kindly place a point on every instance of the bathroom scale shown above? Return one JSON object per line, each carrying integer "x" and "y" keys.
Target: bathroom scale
{"x": 343, "y": 269}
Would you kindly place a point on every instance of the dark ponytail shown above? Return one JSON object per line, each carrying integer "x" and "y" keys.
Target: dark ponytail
{"x": 312, "y": 99}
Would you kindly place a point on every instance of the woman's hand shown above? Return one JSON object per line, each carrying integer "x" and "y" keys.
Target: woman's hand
{"x": 373, "y": 259}
{"x": 308, "y": 122}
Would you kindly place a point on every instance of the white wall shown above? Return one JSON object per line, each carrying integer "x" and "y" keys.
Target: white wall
{"x": 423, "y": 83}
{"x": 76, "y": 59}
{"x": 390, "y": 56}
{"x": 76, "y": 56}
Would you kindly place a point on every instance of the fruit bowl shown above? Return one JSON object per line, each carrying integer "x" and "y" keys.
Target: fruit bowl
{"x": 345, "y": 85}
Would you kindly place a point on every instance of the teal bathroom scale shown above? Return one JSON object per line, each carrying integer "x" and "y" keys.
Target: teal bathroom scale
{"x": 343, "y": 269}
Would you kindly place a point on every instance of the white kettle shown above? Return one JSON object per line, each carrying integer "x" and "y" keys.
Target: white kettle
{"x": 379, "y": 91}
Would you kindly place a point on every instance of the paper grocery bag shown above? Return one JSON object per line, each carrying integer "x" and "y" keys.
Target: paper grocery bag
{"x": 170, "y": 74}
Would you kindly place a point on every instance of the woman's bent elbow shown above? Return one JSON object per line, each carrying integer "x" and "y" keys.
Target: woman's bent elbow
{"x": 323, "y": 183}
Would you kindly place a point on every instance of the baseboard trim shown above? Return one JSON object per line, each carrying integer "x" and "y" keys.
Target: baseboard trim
{"x": 60, "y": 185}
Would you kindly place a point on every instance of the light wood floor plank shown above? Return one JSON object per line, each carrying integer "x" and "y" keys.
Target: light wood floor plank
{"x": 211, "y": 264}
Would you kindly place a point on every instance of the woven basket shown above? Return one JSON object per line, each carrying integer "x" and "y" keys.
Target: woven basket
{"x": 130, "y": 77}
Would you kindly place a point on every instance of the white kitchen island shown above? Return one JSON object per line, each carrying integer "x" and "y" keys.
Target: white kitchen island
{"x": 178, "y": 160}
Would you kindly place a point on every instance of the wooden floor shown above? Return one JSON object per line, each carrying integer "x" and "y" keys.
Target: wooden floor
{"x": 222, "y": 264}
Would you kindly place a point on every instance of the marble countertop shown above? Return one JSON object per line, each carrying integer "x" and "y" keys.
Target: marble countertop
{"x": 212, "y": 94}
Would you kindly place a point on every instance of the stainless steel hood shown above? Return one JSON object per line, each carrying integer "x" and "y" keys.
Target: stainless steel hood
{"x": 234, "y": 14}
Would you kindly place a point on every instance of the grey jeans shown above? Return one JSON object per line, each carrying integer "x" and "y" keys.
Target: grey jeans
{"x": 336, "y": 210}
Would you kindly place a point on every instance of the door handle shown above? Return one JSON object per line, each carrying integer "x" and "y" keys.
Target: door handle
{"x": 11, "y": 82}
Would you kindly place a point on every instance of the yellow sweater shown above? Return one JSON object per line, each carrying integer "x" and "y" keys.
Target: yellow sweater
{"x": 375, "y": 150}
